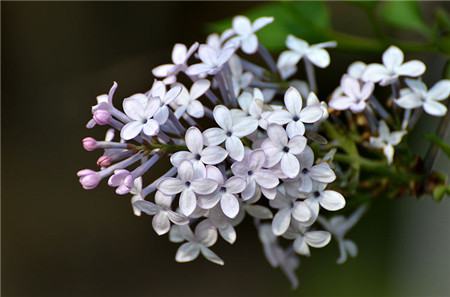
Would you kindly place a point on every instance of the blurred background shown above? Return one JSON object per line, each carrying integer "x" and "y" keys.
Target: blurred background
{"x": 59, "y": 240}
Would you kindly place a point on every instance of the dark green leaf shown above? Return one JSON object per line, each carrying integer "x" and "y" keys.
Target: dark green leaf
{"x": 440, "y": 192}
{"x": 445, "y": 147}
{"x": 404, "y": 15}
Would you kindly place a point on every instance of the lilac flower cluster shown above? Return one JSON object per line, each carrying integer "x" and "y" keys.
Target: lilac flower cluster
{"x": 242, "y": 141}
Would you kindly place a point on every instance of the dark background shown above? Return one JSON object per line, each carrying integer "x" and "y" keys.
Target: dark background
{"x": 59, "y": 240}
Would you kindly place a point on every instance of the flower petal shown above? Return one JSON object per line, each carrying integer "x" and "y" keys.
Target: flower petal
{"x": 171, "y": 186}
{"x": 317, "y": 239}
{"x": 194, "y": 140}
{"x": 244, "y": 126}
{"x": 151, "y": 128}
{"x": 412, "y": 68}
{"x": 266, "y": 178}
{"x": 293, "y": 101}
{"x": 392, "y": 57}
{"x": 322, "y": 173}
{"x": 435, "y": 108}
{"x": 297, "y": 144}
{"x": 281, "y": 221}
{"x": 289, "y": 165}
{"x": 229, "y": 205}
{"x": 214, "y": 136}
{"x": 235, "y": 185}
{"x": 187, "y": 252}
{"x": 204, "y": 186}
{"x": 242, "y": 25}
{"x": 161, "y": 223}
{"x": 213, "y": 155}
{"x": 249, "y": 45}
{"x": 332, "y": 200}
{"x": 211, "y": 256}
{"x": 179, "y": 53}
{"x": 188, "y": 202}
{"x": 131, "y": 130}
{"x": 318, "y": 56}
{"x": 235, "y": 148}
{"x": 222, "y": 116}
{"x": 177, "y": 218}
{"x": 440, "y": 91}
{"x": 301, "y": 212}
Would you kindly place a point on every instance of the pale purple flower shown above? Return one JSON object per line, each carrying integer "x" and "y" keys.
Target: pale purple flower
{"x": 320, "y": 197}
{"x": 212, "y": 60}
{"x": 161, "y": 212}
{"x": 230, "y": 130}
{"x": 197, "y": 152}
{"x": 418, "y": 95}
{"x": 199, "y": 242}
{"x": 392, "y": 68}
{"x": 251, "y": 169}
{"x": 225, "y": 194}
{"x": 89, "y": 179}
{"x": 180, "y": 55}
{"x": 188, "y": 101}
{"x": 304, "y": 239}
{"x": 252, "y": 105}
{"x": 279, "y": 149}
{"x": 190, "y": 182}
{"x": 294, "y": 116}
{"x": 298, "y": 49}
{"x": 386, "y": 140}
{"x": 246, "y": 30}
{"x": 356, "y": 69}
{"x": 101, "y": 112}
{"x": 309, "y": 172}
{"x": 239, "y": 79}
{"x": 354, "y": 95}
{"x": 144, "y": 116}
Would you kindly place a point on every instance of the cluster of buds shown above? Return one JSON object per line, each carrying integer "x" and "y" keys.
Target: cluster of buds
{"x": 242, "y": 141}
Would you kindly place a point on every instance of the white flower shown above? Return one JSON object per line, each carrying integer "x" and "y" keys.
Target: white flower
{"x": 278, "y": 148}
{"x": 309, "y": 172}
{"x": 246, "y": 32}
{"x": 303, "y": 239}
{"x": 230, "y": 131}
{"x": 354, "y": 97}
{"x": 222, "y": 223}
{"x": 252, "y": 105}
{"x": 339, "y": 226}
{"x": 239, "y": 79}
{"x": 295, "y": 116}
{"x": 190, "y": 182}
{"x": 319, "y": 197}
{"x": 288, "y": 207}
{"x": 212, "y": 60}
{"x": 187, "y": 100}
{"x": 312, "y": 100}
{"x": 180, "y": 55}
{"x": 225, "y": 193}
{"x": 356, "y": 69}
{"x": 199, "y": 242}
{"x": 162, "y": 213}
{"x": 144, "y": 116}
{"x": 299, "y": 49}
{"x": 419, "y": 95}
{"x": 387, "y": 140}
{"x": 251, "y": 169}
{"x": 392, "y": 68}
{"x": 197, "y": 153}
{"x": 167, "y": 97}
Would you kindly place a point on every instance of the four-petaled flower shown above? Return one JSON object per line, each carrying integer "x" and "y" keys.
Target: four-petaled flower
{"x": 354, "y": 95}
{"x": 225, "y": 193}
{"x": 418, "y": 95}
{"x": 190, "y": 182}
{"x": 212, "y": 60}
{"x": 304, "y": 239}
{"x": 245, "y": 31}
{"x": 387, "y": 140}
{"x": 392, "y": 68}
{"x": 197, "y": 153}
{"x": 294, "y": 116}
{"x": 199, "y": 242}
{"x": 279, "y": 149}
{"x": 180, "y": 55}
{"x": 231, "y": 130}
{"x": 161, "y": 212}
{"x": 309, "y": 172}
{"x": 188, "y": 101}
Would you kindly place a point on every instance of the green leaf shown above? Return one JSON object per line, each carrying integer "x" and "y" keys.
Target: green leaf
{"x": 440, "y": 192}
{"x": 445, "y": 147}
{"x": 306, "y": 20}
{"x": 404, "y": 15}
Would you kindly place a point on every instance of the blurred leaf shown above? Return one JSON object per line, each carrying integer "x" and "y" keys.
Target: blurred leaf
{"x": 445, "y": 147}
{"x": 443, "y": 20}
{"x": 306, "y": 20}
{"x": 404, "y": 15}
{"x": 440, "y": 192}
{"x": 364, "y": 4}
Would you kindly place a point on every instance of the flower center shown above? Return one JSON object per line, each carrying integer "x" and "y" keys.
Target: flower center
{"x": 223, "y": 189}
{"x": 286, "y": 149}
{"x": 250, "y": 172}
{"x": 228, "y": 134}
{"x": 316, "y": 194}
{"x": 305, "y": 170}
{"x": 198, "y": 157}
{"x": 187, "y": 184}
{"x": 295, "y": 118}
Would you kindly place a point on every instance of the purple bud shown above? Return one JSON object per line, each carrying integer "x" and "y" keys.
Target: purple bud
{"x": 104, "y": 161}
{"x": 89, "y": 179}
{"x": 123, "y": 180}
{"x": 89, "y": 144}
{"x": 101, "y": 116}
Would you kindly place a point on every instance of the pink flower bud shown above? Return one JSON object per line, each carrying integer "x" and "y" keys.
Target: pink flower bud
{"x": 89, "y": 144}
{"x": 89, "y": 179}
{"x": 104, "y": 161}
{"x": 102, "y": 116}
